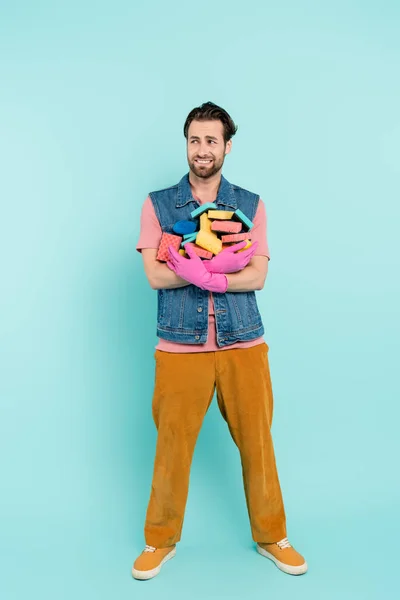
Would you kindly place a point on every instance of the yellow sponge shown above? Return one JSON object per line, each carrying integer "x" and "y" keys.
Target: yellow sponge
{"x": 248, "y": 244}
{"x": 225, "y": 215}
{"x": 182, "y": 252}
{"x": 209, "y": 241}
{"x": 205, "y": 223}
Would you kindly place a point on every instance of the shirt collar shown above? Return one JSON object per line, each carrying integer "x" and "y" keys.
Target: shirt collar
{"x": 225, "y": 194}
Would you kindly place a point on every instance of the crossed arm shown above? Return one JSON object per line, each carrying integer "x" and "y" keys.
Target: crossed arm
{"x": 249, "y": 279}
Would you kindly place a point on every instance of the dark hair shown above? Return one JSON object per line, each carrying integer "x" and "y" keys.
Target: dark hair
{"x": 211, "y": 112}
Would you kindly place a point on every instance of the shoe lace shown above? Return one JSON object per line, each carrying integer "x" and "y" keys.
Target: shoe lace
{"x": 149, "y": 548}
{"x": 284, "y": 544}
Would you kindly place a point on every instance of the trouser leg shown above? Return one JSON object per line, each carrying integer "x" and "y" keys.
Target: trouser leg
{"x": 245, "y": 398}
{"x": 184, "y": 388}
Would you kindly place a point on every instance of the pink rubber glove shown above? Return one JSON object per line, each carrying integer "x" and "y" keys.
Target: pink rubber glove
{"x": 229, "y": 261}
{"x": 193, "y": 270}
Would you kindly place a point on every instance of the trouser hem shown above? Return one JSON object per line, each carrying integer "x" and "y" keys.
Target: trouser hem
{"x": 271, "y": 538}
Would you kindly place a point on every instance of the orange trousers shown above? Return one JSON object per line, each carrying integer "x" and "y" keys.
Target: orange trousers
{"x": 184, "y": 388}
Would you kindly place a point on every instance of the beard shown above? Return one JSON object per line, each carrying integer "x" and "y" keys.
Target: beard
{"x": 206, "y": 171}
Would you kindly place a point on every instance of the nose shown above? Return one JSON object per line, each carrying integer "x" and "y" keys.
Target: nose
{"x": 202, "y": 151}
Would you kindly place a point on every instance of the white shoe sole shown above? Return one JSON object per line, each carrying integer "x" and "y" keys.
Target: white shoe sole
{"x": 153, "y": 572}
{"x": 282, "y": 566}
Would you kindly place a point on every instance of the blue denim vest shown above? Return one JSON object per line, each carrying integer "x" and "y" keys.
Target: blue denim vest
{"x": 182, "y": 313}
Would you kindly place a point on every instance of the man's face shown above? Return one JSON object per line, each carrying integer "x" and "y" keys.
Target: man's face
{"x": 206, "y": 148}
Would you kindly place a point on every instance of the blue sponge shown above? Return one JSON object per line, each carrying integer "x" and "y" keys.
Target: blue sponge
{"x": 184, "y": 227}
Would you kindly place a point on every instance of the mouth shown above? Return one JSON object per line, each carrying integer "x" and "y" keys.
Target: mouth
{"x": 203, "y": 162}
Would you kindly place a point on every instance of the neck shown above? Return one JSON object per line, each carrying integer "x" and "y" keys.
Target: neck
{"x": 205, "y": 189}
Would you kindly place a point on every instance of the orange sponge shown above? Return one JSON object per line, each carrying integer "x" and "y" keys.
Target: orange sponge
{"x": 199, "y": 251}
{"x": 235, "y": 237}
{"x": 167, "y": 239}
{"x": 226, "y": 226}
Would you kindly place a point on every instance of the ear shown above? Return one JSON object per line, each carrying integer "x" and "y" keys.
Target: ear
{"x": 228, "y": 147}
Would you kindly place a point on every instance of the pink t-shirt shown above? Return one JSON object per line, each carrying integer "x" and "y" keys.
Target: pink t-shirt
{"x": 150, "y": 236}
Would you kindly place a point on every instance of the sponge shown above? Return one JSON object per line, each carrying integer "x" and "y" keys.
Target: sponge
{"x": 205, "y": 223}
{"x": 184, "y": 227}
{"x": 199, "y": 251}
{"x": 209, "y": 241}
{"x": 235, "y": 237}
{"x": 249, "y": 242}
{"x": 167, "y": 239}
{"x": 226, "y": 226}
{"x": 203, "y": 208}
{"x": 223, "y": 215}
{"x": 190, "y": 237}
{"x": 238, "y": 215}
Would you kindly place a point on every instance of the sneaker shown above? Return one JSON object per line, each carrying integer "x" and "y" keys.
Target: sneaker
{"x": 149, "y": 563}
{"x": 284, "y": 556}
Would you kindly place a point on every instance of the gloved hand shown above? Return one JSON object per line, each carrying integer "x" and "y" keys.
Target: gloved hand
{"x": 229, "y": 261}
{"x": 193, "y": 270}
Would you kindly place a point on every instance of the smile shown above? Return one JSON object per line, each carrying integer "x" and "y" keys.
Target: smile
{"x": 203, "y": 162}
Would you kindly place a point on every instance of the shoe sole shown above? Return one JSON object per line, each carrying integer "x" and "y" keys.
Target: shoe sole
{"x": 143, "y": 575}
{"x": 289, "y": 569}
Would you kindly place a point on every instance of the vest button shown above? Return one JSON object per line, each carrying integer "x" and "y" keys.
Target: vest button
{"x": 199, "y": 309}
{"x": 196, "y": 337}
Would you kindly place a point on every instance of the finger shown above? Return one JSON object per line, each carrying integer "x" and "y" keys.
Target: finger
{"x": 236, "y": 247}
{"x": 247, "y": 256}
{"x": 249, "y": 253}
{"x": 172, "y": 252}
{"x": 254, "y": 245}
{"x": 190, "y": 252}
{"x": 175, "y": 257}
{"x": 171, "y": 265}
{"x": 172, "y": 256}
{"x": 173, "y": 261}
{"x": 251, "y": 249}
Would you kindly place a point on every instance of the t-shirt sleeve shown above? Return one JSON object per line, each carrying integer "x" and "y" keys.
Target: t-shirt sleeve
{"x": 259, "y": 231}
{"x": 150, "y": 228}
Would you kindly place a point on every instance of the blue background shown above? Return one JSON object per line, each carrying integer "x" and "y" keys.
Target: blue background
{"x": 92, "y": 104}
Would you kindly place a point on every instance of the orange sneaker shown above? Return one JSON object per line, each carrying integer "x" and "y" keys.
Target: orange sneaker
{"x": 284, "y": 556}
{"x": 149, "y": 563}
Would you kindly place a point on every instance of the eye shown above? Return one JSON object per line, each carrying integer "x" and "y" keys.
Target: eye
{"x": 212, "y": 141}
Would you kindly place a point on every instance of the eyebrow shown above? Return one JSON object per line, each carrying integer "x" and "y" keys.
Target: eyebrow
{"x": 210, "y": 137}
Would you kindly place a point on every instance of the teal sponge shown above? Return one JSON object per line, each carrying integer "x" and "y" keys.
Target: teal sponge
{"x": 240, "y": 216}
{"x": 203, "y": 208}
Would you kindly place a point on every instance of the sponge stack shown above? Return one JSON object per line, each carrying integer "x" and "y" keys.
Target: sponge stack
{"x": 208, "y": 232}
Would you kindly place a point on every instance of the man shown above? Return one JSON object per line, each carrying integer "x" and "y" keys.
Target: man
{"x": 210, "y": 337}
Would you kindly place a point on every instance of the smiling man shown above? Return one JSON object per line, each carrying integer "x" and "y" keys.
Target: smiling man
{"x": 204, "y": 167}
{"x": 210, "y": 339}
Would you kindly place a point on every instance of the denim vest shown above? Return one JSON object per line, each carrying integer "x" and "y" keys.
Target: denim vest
{"x": 182, "y": 313}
